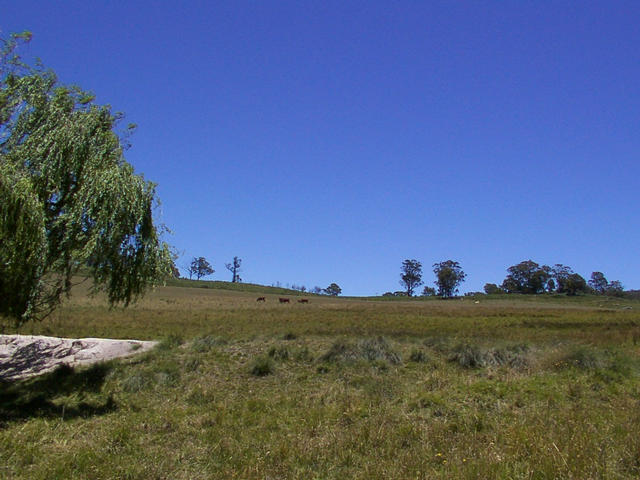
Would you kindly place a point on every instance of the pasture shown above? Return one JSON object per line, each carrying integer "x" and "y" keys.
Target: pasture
{"x": 510, "y": 387}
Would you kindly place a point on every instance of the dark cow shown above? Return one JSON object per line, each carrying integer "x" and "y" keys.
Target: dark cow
{"x": 303, "y": 300}
{"x": 283, "y": 300}
{"x": 261, "y": 299}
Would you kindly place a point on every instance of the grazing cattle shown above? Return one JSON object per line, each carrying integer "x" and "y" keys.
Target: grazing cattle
{"x": 303, "y": 300}
{"x": 283, "y": 300}
{"x": 261, "y": 299}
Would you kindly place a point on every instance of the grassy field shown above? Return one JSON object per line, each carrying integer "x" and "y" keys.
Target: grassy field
{"x": 510, "y": 387}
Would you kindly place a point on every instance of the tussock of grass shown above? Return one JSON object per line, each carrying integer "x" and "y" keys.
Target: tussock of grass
{"x": 192, "y": 364}
{"x": 262, "y": 366}
{"x": 137, "y": 382}
{"x": 279, "y": 353}
{"x": 169, "y": 342}
{"x": 207, "y": 342}
{"x": 419, "y": 356}
{"x": 607, "y": 366}
{"x": 373, "y": 349}
{"x": 583, "y": 358}
{"x": 302, "y": 354}
{"x": 473, "y": 356}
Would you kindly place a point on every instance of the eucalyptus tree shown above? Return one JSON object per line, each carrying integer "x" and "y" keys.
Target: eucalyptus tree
{"x": 449, "y": 276}
{"x": 69, "y": 201}
{"x": 334, "y": 290}
{"x": 598, "y": 282}
{"x": 200, "y": 267}
{"x": 411, "y": 275}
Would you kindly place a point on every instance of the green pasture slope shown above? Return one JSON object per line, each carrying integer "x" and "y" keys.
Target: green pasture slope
{"x": 509, "y": 387}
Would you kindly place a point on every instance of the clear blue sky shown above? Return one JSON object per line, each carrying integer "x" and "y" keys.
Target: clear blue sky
{"x": 328, "y": 141}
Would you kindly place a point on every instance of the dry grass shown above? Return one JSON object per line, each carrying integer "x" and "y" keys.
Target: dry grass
{"x": 426, "y": 389}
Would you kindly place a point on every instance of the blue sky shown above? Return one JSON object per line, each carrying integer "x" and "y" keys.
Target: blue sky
{"x": 328, "y": 141}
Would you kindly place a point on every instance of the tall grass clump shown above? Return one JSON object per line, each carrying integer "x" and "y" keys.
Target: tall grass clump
{"x": 262, "y": 366}
{"x": 170, "y": 342}
{"x": 583, "y": 358}
{"x": 370, "y": 349}
{"x": 137, "y": 382}
{"x": 419, "y": 356}
{"x": 473, "y": 356}
{"x": 607, "y": 366}
{"x": 206, "y": 342}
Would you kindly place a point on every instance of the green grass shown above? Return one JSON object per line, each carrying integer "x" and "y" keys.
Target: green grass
{"x": 511, "y": 387}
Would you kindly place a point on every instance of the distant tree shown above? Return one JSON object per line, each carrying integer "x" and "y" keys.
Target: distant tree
{"x": 560, "y": 273}
{"x": 428, "y": 292}
{"x": 598, "y": 282}
{"x": 333, "y": 290}
{"x": 234, "y": 268}
{"x": 615, "y": 289}
{"x": 526, "y": 277}
{"x": 411, "y": 275}
{"x": 70, "y": 203}
{"x": 574, "y": 284}
{"x": 317, "y": 290}
{"x": 200, "y": 267}
{"x": 449, "y": 276}
{"x": 492, "y": 288}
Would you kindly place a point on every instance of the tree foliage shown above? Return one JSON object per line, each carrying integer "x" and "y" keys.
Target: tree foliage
{"x": 575, "y": 284}
{"x": 333, "y": 290}
{"x": 428, "y": 291}
{"x": 200, "y": 267}
{"x": 598, "y": 282}
{"x": 68, "y": 198}
{"x": 449, "y": 276}
{"x": 492, "y": 288}
{"x": 560, "y": 275}
{"x": 411, "y": 275}
{"x": 615, "y": 289}
{"x": 526, "y": 277}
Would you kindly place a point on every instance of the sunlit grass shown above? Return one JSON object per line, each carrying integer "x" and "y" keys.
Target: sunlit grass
{"x": 338, "y": 388}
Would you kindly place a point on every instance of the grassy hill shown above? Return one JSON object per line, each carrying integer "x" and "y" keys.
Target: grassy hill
{"x": 510, "y": 387}
{"x": 236, "y": 287}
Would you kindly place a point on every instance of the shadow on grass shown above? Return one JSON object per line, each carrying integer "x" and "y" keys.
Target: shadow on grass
{"x": 59, "y": 394}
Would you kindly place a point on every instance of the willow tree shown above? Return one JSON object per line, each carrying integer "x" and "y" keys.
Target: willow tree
{"x": 69, "y": 201}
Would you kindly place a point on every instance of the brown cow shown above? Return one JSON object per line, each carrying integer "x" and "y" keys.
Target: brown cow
{"x": 303, "y": 300}
{"x": 283, "y": 300}
{"x": 261, "y": 299}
